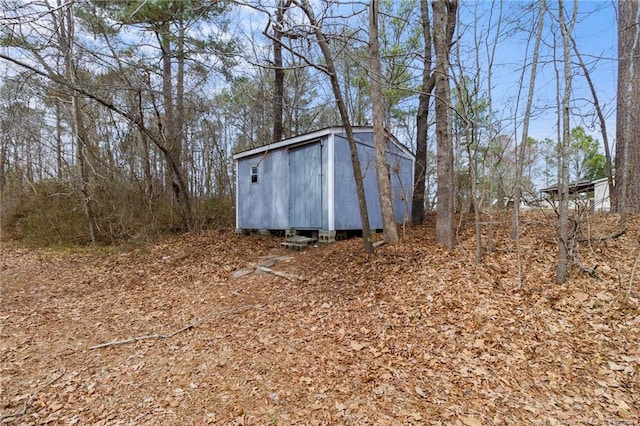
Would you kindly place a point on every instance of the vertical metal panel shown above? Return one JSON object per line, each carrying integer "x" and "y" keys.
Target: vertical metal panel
{"x": 401, "y": 185}
{"x": 263, "y": 204}
{"x": 347, "y": 209}
{"x": 347, "y": 214}
{"x": 305, "y": 186}
{"x": 238, "y": 223}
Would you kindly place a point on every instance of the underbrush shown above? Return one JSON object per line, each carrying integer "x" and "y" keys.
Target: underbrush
{"x": 52, "y": 212}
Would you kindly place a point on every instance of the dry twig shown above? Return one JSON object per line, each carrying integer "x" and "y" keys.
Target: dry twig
{"x": 592, "y": 272}
{"x": 620, "y": 232}
{"x": 29, "y": 401}
{"x": 284, "y": 275}
{"x": 170, "y": 335}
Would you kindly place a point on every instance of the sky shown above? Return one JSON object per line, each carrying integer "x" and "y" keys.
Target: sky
{"x": 595, "y": 33}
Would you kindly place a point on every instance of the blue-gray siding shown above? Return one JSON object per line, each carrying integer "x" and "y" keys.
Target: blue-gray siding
{"x": 293, "y": 185}
{"x": 347, "y": 214}
{"x": 265, "y": 204}
{"x": 305, "y": 187}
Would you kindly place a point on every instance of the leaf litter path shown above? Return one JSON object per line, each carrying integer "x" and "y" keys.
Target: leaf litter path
{"x": 412, "y": 335}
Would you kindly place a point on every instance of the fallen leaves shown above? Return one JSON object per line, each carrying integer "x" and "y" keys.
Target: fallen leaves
{"x": 470, "y": 421}
{"x": 356, "y": 346}
{"x": 411, "y": 335}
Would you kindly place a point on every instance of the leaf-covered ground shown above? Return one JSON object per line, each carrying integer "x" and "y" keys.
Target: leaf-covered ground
{"x": 411, "y": 335}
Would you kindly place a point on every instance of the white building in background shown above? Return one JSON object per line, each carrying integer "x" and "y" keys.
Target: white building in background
{"x": 601, "y": 198}
{"x": 594, "y": 193}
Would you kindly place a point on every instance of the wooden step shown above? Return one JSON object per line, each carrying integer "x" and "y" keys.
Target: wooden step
{"x": 298, "y": 242}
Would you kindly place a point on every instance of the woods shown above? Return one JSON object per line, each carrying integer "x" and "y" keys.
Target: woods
{"x": 124, "y": 116}
{"x": 180, "y": 181}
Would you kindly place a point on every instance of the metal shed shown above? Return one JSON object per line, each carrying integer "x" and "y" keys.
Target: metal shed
{"x": 307, "y": 183}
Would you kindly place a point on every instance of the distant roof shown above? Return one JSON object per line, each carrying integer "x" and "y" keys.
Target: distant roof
{"x": 574, "y": 188}
{"x": 314, "y": 135}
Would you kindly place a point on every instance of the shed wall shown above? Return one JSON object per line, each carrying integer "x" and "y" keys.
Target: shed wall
{"x": 265, "y": 204}
{"x": 347, "y": 214}
{"x": 401, "y": 183}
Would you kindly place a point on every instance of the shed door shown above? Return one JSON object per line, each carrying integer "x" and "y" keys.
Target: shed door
{"x": 305, "y": 186}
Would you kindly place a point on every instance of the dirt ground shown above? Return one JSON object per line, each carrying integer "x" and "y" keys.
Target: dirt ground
{"x": 410, "y": 335}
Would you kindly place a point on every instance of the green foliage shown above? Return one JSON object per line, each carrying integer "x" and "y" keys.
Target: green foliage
{"x": 586, "y": 161}
{"x": 247, "y": 106}
{"x": 178, "y": 20}
{"x": 596, "y": 167}
{"x": 159, "y": 11}
{"x": 472, "y": 109}
{"x": 89, "y": 17}
{"x": 399, "y": 40}
{"x": 549, "y": 150}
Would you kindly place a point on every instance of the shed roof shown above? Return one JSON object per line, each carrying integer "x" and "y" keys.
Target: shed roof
{"x": 315, "y": 135}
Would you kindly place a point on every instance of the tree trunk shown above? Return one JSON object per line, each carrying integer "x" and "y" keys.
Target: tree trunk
{"x": 562, "y": 271}
{"x": 278, "y": 84}
{"x": 520, "y": 157}
{"x": 66, "y": 35}
{"x": 59, "y": 143}
{"x": 346, "y": 122}
{"x": 172, "y": 141}
{"x": 167, "y": 91}
{"x": 525, "y": 124}
{"x": 146, "y": 168}
{"x": 473, "y": 178}
{"x": 601, "y": 120}
{"x": 80, "y": 135}
{"x": 627, "y": 179}
{"x": 422, "y": 122}
{"x": 4, "y": 162}
{"x": 444, "y": 155}
{"x": 179, "y": 128}
{"x": 389, "y": 223}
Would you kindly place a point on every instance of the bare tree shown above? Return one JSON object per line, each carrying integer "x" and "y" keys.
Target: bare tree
{"x": 601, "y": 119}
{"x": 562, "y": 271}
{"x": 422, "y": 115}
{"x": 173, "y": 116}
{"x": 494, "y": 137}
{"x": 66, "y": 34}
{"x": 389, "y": 224}
{"x": 422, "y": 119}
{"x": 279, "y": 71}
{"x": 520, "y": 158}
{"x": 442, "y": 12}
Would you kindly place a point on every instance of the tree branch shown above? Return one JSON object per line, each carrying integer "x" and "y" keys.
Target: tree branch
{"x": 29, "y": 401}
{"x": 180, "y": 330}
